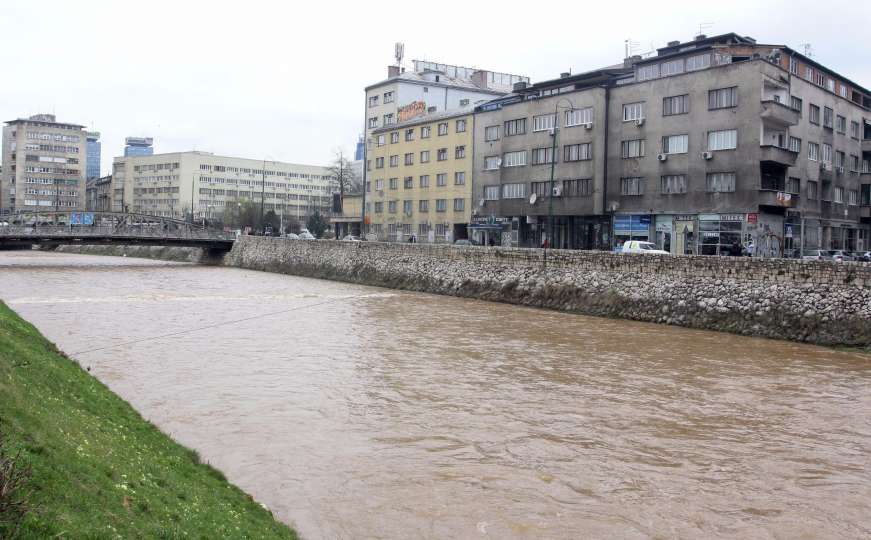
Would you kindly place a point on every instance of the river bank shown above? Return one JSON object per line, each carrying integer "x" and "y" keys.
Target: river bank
{"x": 100, "y": 469}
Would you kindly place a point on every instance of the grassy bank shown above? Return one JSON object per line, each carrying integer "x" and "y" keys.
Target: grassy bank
{"x": 99, "y": 469}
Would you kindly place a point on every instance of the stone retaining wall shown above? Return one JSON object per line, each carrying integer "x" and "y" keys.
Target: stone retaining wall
{"x": 165, "y": 253}
{"x": 817, "y": 302}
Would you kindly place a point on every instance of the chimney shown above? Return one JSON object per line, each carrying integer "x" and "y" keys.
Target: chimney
{"x": 519, "y": 86}
{"x": 479, "y": 78}
{"x": 565, "y": 74}
{"x": 631, "y": 61}
{"x": 701, "y": 37}
{"x": 673, "y": 43}
{"x": 392, "y": 71}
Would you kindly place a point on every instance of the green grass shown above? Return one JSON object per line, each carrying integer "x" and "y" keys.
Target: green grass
{"x": 99, "y": 469}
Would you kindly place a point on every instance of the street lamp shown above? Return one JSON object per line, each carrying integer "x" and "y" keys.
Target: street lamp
{"x": 556, "y": 108}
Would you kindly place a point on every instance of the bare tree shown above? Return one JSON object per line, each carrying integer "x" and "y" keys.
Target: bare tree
{"x": 342, "y": 173}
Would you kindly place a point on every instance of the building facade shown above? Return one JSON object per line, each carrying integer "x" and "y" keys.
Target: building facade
{"x": 94, "y": 154}
{"x": 707, "y": 146}
{"x": 420, "y": 182}
{"x": 43, "y": 165}
{"x": 138, "y": 146}
{"x": 202, "y": 183}
{"x": 99, "y": 194}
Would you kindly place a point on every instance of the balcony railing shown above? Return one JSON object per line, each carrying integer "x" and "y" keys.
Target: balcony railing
{"x": 777, "y": 154}
{"x": 778, "y": 113}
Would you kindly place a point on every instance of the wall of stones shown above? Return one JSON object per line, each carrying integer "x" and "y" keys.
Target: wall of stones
{"x": 165, "y": 253}
{"x": 817, "y": 302}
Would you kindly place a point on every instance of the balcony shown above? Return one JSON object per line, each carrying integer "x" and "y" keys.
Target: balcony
{"x": 778, "y": 113}
{"x": 779, "y": 199}
{"x": 865, "y": 213}
{"x": 770, "y": 153}
{"x": 866, "y": 145}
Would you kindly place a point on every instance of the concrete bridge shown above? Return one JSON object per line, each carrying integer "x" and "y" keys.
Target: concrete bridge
{"x": 88, "y": 228}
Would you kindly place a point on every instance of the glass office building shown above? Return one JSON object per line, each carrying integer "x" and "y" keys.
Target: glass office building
{"x": 92, "y": 168}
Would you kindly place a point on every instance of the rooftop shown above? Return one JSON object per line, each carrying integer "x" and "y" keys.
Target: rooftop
{"x": 43, "y": 120}
{"x": 438, "y": 74}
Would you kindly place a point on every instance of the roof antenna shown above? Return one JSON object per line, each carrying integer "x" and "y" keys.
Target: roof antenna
{"x": 704, "y": 26}
{"x": 630, "y": 47}
{"x": 808, "y": 51}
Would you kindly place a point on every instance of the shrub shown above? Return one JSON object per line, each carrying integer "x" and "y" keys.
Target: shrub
{"x": 14, "y": 495}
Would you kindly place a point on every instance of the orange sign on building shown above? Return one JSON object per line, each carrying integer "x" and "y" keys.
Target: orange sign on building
{"x": 412, "y": 110}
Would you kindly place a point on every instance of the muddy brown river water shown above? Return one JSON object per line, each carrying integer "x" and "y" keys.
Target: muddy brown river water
{"x": 355, "y": 412}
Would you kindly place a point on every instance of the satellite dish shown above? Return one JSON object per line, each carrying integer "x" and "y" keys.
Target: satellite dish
{"x": 481, "y": 202}
{"x": 533, "y": 198}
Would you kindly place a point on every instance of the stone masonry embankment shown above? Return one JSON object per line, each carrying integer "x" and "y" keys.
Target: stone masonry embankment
{"x": 817, "y": 302}
{"x": 164, "y": 253}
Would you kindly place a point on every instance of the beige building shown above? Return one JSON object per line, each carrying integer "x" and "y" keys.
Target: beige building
{"x": 174, "y": 184}
{"x": 43, "y": 165}
{"x": 348, "y": 220}
{"x": 420, "y": 182}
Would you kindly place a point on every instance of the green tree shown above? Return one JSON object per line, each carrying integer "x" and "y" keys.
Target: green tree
{"x": 316, "y": 224}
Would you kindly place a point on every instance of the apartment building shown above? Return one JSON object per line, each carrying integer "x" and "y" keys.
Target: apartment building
{"x": 704, "y": 146}
{"x": 420, "y": 181}
{"x": 205, "y": 184}
{"x": 43, "y": 165}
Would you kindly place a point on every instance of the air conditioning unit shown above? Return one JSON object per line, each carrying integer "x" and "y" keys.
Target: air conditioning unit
{"x": 557, "y": 191}
{"x": 552, "y": 131}
{"x": 662, "y": 157}
{"x": 639, "y": 122}
{"x": 588, "y": 126}
{"x": 707, "y": 155}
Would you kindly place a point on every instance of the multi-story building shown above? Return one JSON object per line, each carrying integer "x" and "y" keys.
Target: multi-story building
{"x": 706, "y": 145}
{"x": 92, "y": 169}
{"x": 99, "y": 194}
{"x": 176, "y": 184}
{"x": 138, "y": 146}
{"x": 43, "y": 165}
{"x": 420, "y": 182}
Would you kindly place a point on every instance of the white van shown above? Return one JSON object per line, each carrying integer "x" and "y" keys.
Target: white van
{"x": 637, "y": 246}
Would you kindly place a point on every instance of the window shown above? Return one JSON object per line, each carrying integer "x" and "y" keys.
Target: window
{"x": 839, "y": 195}
{"x": 459, "y": 178}
{"x": 675, "y": 105}
{"x": 840, "y": 124}
{"x": 394, "y": 183}
{"x": 373, "y": 122}
{"x": 840, "y": 158}
{"x": 854, "y": 129}
{"x": 373, "y": 101}
{"x": 491, "y": 163}
{"x": 388, "y": 119}
{"x": 380, "y": 141}
{"x": 391, "y": 207}
{"x": 700, "y": 61}
{"x": 541, "y": 156}
{"x": 853, "y": 197}
{"x": 409, "y": 134}
{"x": 408, "y": 182}
{"x": 674, "y": 183}
{"x": 793, "y": 185}
{"x": 514, "y": 159}
{"x": 646, "y": 73}
{"x": 513, "y": 191}
{"x": 442, "y": 179}
{"x": 577, "y": 117}
{"x": 443, "y": 128}
{"x": 543, "y": 122}
{"x": 379, "y": 163}
{"x": 379, "y": 184}
{"x": 515, "y": 127}
{"x": 675, "y": 144}
{"x": 491, "y": 133}
{"x": 577, "y": 152}
{"x": 394, "y": 137}
{"x": 842, "y": 90}
{"x": 794, "y": 144}
{"x": 394, "y": 161}
{"x": 407, "y": 207}
{"x": 721, "y": 182}
{"x": 459, "y": 205}
{"x": 632, "y": 186}
{"x": 491, "y": 193}
{"x": 793, "y": 65}
{"x": 814, "y": 114}
{"x": 830, "y": 84}
{"x": 425, "y": 132}
{"x": 854, "y": 163}
{"x": 795, "y": 104}
{"x": 827, "y": 117}
{"x": 379, "y": 207}
{"x": 424, "y": 181}
{"x": 723, "y": 140}
{"x": 461, "y": 126}
{"x": 423, "y": 205}
{"x": 442, "y": 154}
{"x": 409, "y": 159}
{"x": 819, "y": 78}
{"x": 424, "y": 156}
{"x": 632, "y": 149}
{"x": 388, "y": 97}
{"x": 723, "y": 98}
{"x": 672, "y": 67}
{"x": 812, "y": 190}
{"x": 581, "y": 187}
{"x": 827, "y": 152}
{"x": 460, "y": 152}
{"x": 813, "y": 151}
{"x": 633, "y": 111}
{"x": 441, "y": 205}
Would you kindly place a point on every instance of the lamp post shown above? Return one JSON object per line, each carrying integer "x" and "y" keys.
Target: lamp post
{"x": 556, "y": 108}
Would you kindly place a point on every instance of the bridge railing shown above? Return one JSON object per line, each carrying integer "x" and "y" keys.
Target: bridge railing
{"x": 133, "y": 231}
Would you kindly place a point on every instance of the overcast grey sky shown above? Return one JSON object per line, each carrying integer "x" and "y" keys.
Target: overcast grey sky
{"x": 284, "y": 80}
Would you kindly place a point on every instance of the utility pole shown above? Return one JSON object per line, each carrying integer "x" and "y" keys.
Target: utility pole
{"x": 262, "y": 194}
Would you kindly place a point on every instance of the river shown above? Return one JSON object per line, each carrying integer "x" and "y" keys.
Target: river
{"x": 356, "y": 412}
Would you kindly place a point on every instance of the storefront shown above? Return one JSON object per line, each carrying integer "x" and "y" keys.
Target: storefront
{"x": 684, "y": 235}
{"x": 631, "y": 227}
{"x": 488, "y": 230}
{"x": 664, "y": 227}
{"x": 720, "y": 234}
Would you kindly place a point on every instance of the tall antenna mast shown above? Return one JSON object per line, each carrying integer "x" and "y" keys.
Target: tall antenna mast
{"x": 704, "y": 26}
{"x": 808, "y": 51}
{"x": 399, "y": 53}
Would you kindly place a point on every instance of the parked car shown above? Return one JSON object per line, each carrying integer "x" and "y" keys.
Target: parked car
{"x": 862, "y": 256}
{"x": 292, "y": 236}
{"x": 350, "y": 238}
{"x": 816, "y": 255}
{"x": 463, "y": 242}
{"x": 637, "y": 246}
{"x": 840, "y": 255}
{"x": 305, "y": 235}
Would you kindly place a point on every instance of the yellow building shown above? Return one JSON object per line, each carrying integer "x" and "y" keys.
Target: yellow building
{"x": 420, "y": 182}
